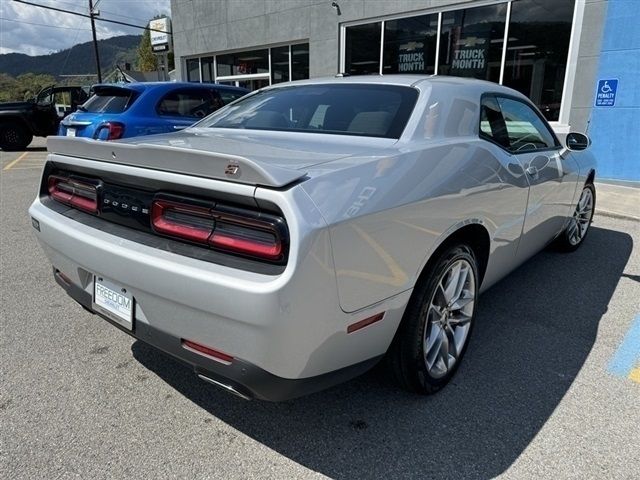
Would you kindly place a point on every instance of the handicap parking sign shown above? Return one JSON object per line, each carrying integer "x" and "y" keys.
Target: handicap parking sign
{"x": 606, "y": 94}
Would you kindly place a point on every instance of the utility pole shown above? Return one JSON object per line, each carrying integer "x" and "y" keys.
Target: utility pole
{"x": 95, "y": 40}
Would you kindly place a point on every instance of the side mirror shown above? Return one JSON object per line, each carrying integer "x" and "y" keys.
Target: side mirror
{"x": 577, "y": 141}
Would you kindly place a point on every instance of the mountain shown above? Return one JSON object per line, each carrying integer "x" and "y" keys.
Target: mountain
{"x": 78, "y": 59}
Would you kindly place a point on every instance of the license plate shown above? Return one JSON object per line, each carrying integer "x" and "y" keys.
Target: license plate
{"x": 112, "y": 300}
{"x": 71, "y": 132}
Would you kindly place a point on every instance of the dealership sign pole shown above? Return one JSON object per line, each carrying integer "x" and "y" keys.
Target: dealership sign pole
{"x": 160, "y": 32}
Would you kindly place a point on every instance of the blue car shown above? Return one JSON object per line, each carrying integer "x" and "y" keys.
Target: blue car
{"x": 133, "y": 109}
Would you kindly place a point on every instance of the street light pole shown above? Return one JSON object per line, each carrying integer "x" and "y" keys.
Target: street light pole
{"x": 95, "y": 40}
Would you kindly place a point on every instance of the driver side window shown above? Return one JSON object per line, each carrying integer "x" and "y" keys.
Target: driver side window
{"x": 525, "y": 129}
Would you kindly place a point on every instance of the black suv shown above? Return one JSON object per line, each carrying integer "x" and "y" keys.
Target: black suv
{"x": 40, "y": 116}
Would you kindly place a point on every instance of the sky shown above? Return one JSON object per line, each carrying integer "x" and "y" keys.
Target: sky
{"x": 38, "y": 31}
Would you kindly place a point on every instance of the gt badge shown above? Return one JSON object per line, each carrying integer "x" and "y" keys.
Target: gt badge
{"x": 232, "y": 169}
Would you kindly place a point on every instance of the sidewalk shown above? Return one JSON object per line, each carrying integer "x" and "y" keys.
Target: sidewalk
{"x": 618, "y": 201}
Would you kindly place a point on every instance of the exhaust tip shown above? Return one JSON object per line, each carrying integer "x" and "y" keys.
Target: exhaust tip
{"x": 225, "y": 386}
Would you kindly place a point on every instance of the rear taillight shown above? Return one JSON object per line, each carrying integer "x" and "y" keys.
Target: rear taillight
{"x": 232, "y": 230}
{"x": 247, "y": 240}
{"x": 109, "y": 131}
{"x": 73, "y": 192}
{"x": 184, "y": 221}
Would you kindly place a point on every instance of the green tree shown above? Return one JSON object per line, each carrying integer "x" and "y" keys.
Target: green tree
{"x": 7, "y": 87}
{"x": 30, "y": 84}
{"x": 23, "y": 87}
{"x": 147, "y": 61}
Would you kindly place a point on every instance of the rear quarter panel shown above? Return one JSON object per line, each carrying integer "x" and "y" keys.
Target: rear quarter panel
{"x": 387, "y": 214}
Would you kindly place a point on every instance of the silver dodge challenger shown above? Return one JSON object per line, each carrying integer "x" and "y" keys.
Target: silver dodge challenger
{"x": 296, "y": 237}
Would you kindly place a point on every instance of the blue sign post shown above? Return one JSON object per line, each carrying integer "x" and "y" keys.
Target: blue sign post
{"x": 606, "y": 94}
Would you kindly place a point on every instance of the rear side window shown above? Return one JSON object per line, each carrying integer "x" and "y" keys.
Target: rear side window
{"x": 189, "y": 103}
{"x": 115, "y": 100}
{"x": 514, "y": 125}
{"x": 526, "y": 129}
{"x": 342, "y": 109}
{"x": 492, "y": 124}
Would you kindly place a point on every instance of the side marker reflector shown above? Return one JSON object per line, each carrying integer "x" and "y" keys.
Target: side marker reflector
{"x": 364, "y": 323}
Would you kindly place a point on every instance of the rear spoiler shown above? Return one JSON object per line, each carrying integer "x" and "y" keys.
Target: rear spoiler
{"x": 198, "y": 163}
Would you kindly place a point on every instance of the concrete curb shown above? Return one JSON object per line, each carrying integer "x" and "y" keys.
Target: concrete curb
{"x": 620, "y": 216}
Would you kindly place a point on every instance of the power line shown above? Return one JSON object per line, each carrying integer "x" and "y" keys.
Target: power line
{"x": 93, "y": 16}
{"x": 104, "y": 11}
{"x": 42, "y": 24}
{"x": 90, "y": 16}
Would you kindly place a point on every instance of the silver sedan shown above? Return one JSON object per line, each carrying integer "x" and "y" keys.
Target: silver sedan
{"x": 301, "y": 234}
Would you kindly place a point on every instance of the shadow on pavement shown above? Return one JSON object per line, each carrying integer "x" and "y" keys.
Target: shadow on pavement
{"x": 534, "y": 332}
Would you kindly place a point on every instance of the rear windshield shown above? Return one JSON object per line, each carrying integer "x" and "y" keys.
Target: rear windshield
{"x": 351, "y": 109}
{"x": 115, "y": 100}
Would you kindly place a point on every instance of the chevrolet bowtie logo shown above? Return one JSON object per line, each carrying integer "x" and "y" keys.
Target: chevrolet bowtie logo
{"x": 232, "y": 169}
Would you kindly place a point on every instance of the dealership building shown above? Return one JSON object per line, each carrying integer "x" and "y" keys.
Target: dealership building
{"x": 577, "y": 60}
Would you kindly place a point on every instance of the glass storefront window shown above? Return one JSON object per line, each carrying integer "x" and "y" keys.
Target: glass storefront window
{"x": 537, "y": 51}
{"x": 243, "y": 63}
{"x": 471, "y": 42}
{"x": 363, "y": 49}
{"x": 207, "y": 69}
{"x": 253, "y": 84}
{"x": 299, "y": 61}
{"x": 280, "y": 64}
{"x": 410, "y": 45}
{"x": 252, "y": 69}
{"x": 193, "y": 70}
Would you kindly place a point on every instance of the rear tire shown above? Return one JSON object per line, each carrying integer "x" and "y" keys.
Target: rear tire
{"x": 576, "y": 231}
{"x": 437, "y": 324}
{"x": 14, "y": 137}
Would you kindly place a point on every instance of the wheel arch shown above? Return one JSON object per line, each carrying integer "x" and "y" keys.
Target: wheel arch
{"x": 591, "y": 177}
{"x": 475, "y": 235}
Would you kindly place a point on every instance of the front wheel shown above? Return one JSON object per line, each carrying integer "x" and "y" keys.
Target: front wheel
{"x": 578, "y": 226}
{"x": 14, "y": 137}
{"x": 437, "y": 324}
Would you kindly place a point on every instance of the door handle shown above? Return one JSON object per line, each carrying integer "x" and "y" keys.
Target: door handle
{"x": 180, "y": 127}
{"x": 532, "y": 171}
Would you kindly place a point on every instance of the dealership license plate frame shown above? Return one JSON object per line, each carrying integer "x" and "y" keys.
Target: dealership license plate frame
{"x": 118, "y": 313}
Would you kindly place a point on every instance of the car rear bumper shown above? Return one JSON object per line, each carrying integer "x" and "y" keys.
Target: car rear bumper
{"x": 286, "y": 333}
{"x": 241, "y": 378}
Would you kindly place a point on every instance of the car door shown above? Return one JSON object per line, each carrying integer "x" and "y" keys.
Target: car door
{"x": 46, "y": 119}
{"x": 550, "y": 172}
{"x": 179, "y": 109}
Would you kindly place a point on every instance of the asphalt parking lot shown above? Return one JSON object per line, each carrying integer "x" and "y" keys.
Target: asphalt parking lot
{"x": 550, "y": 386}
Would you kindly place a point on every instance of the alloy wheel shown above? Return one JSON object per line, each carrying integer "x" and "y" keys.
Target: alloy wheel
{"x": 449, "y": 317}
{"x": 581, "y": 217}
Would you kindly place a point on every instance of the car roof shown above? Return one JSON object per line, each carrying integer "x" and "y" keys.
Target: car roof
{"x": 410, "y": 80}
{"x": 142, "y": 86}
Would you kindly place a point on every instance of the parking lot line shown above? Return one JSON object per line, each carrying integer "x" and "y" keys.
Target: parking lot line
{"x": 11, "y": 164}
{"x": 628, "y": 354}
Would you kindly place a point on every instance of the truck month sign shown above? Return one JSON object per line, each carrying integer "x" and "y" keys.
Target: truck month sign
{"x": 469, "y": 56}
{"x": 411, "y": 57}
